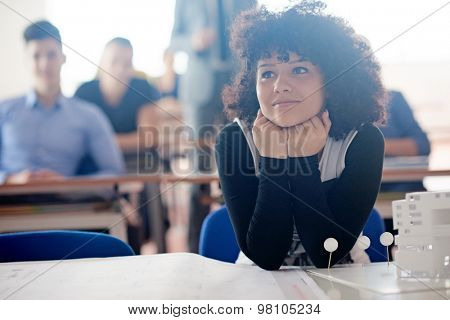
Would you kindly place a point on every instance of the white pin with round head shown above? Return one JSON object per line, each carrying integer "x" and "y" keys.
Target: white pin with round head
{"x": 386, "y": 240}
{"x": 330, "y": 245}
{"x": 363, "y": 242}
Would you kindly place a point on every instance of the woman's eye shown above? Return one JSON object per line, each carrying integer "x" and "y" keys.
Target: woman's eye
{"x": 267, "y": 74}
{"x": 300, "y": 70}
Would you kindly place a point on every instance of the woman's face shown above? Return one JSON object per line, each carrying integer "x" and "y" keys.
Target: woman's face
{"x": 289, "y": 92}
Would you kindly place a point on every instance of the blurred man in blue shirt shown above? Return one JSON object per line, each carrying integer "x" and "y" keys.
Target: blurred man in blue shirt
{"x": 44, "y": 135}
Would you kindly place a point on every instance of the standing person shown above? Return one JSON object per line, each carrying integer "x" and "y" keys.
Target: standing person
{"x": 201, "y": 29}
{"x": 169, "y": 82}
{"x": 45, "y": 135}
{"x": 303, "y": 160}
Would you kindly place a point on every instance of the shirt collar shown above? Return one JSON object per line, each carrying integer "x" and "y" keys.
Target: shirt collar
{"x": 33, "y": 102}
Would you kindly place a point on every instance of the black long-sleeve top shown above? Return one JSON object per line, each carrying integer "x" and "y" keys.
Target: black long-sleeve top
{"x": 264, "y": 208}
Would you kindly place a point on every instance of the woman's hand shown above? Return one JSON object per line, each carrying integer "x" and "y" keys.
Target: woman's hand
{"x": 270, "y": 139}
{"x": 309, "y": 138}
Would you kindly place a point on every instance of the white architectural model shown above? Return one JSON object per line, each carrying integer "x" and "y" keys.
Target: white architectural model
{"x": 423, "y": 240}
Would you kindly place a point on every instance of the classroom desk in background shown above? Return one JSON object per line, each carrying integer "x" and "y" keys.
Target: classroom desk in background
{"x": 94, "y": 183}
{"x": 412, "y": 174}
{"x": 403, "y": 174}
{"x": 190, "y": 276}
{"x": 77, "y": 213}
{"x": 127, "y": 181}
{"x": 132, "y": 184}
{"x": 66, "y": 218}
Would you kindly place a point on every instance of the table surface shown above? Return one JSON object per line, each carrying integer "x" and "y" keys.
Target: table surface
{"x": 411, "y": 174}
{"x": 126, "y": 182}
{"x": 190, "y": 276}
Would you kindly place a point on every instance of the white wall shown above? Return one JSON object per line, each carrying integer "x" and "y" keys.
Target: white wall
{"x": 14, "y": 77}
{"x": 426, "y": 87}
{"x": 422, "y": 76}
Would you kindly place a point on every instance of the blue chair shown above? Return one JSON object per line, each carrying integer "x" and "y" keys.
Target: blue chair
{"x": 217, "y": 239}
{"x": 373, "y": 229}
{"x": 57, "y": 245}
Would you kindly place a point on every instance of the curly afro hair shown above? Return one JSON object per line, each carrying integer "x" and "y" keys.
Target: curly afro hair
{"x": 353, "y": 89}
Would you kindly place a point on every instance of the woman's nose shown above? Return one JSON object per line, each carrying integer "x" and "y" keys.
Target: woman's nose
{"x": 282, "y": 85}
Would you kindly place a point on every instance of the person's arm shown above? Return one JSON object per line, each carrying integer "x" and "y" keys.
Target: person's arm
{"x": 23, "y": 176}
{"x": 102, "y": 146}
{"x": 342, "y": 212}
{"x": 180, "y": 38}
{"x": 148, "y": 126}
{"x": 260, "y": 208}
{"x": 396, "y": 147}
{"x": 414, "y": 141}
{"x": 3, "y": 172}
{"x": 146, "y": 134}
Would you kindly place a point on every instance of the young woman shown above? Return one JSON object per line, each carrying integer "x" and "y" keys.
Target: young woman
{"x": 302, "y": 161}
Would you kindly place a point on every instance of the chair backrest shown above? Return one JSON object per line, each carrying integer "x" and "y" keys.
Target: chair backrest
{"x": 373, "y": 229}
{"x": 57, "y": 245}
{"x": 217, "y": 238}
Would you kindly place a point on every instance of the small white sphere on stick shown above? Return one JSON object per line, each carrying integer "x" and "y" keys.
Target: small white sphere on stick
{"x": 330, "y": 245}
{"x": 386, "y": 239}
{"x": 363, "y": 242}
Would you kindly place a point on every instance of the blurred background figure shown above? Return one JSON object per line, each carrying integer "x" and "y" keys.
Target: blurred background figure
{"x": 129, "y": 103}
{"x": 169, "y": 82}
{"x": 45, "y": 135}
{"x": 404, "y": 138}
{"x": 201, "y": 29}
{"x": 406, "y": 145}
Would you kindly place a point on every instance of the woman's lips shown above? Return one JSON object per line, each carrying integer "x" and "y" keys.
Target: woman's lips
{"x": 284, "y": 104}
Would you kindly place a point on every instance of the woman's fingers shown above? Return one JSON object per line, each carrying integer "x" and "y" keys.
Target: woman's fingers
{"x": 318, "y": 125}
{"x": 260, "y": 119}
{"x": 326, "y": 120}
{"x": 307, "y": 128}
{"x": 259, "y": 115}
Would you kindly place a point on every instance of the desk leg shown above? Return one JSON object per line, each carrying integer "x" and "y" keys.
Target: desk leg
{"x": 156, "y": 216}
{"x": 119, "y": 230}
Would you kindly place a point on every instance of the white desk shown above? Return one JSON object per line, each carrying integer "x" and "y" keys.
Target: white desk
{"x": 190, "y": 276}
{"x": 377, "y": 281}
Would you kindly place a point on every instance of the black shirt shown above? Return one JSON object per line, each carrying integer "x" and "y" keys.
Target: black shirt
{"x": 263, "y": 209}
{"x": 123, "y": 117}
